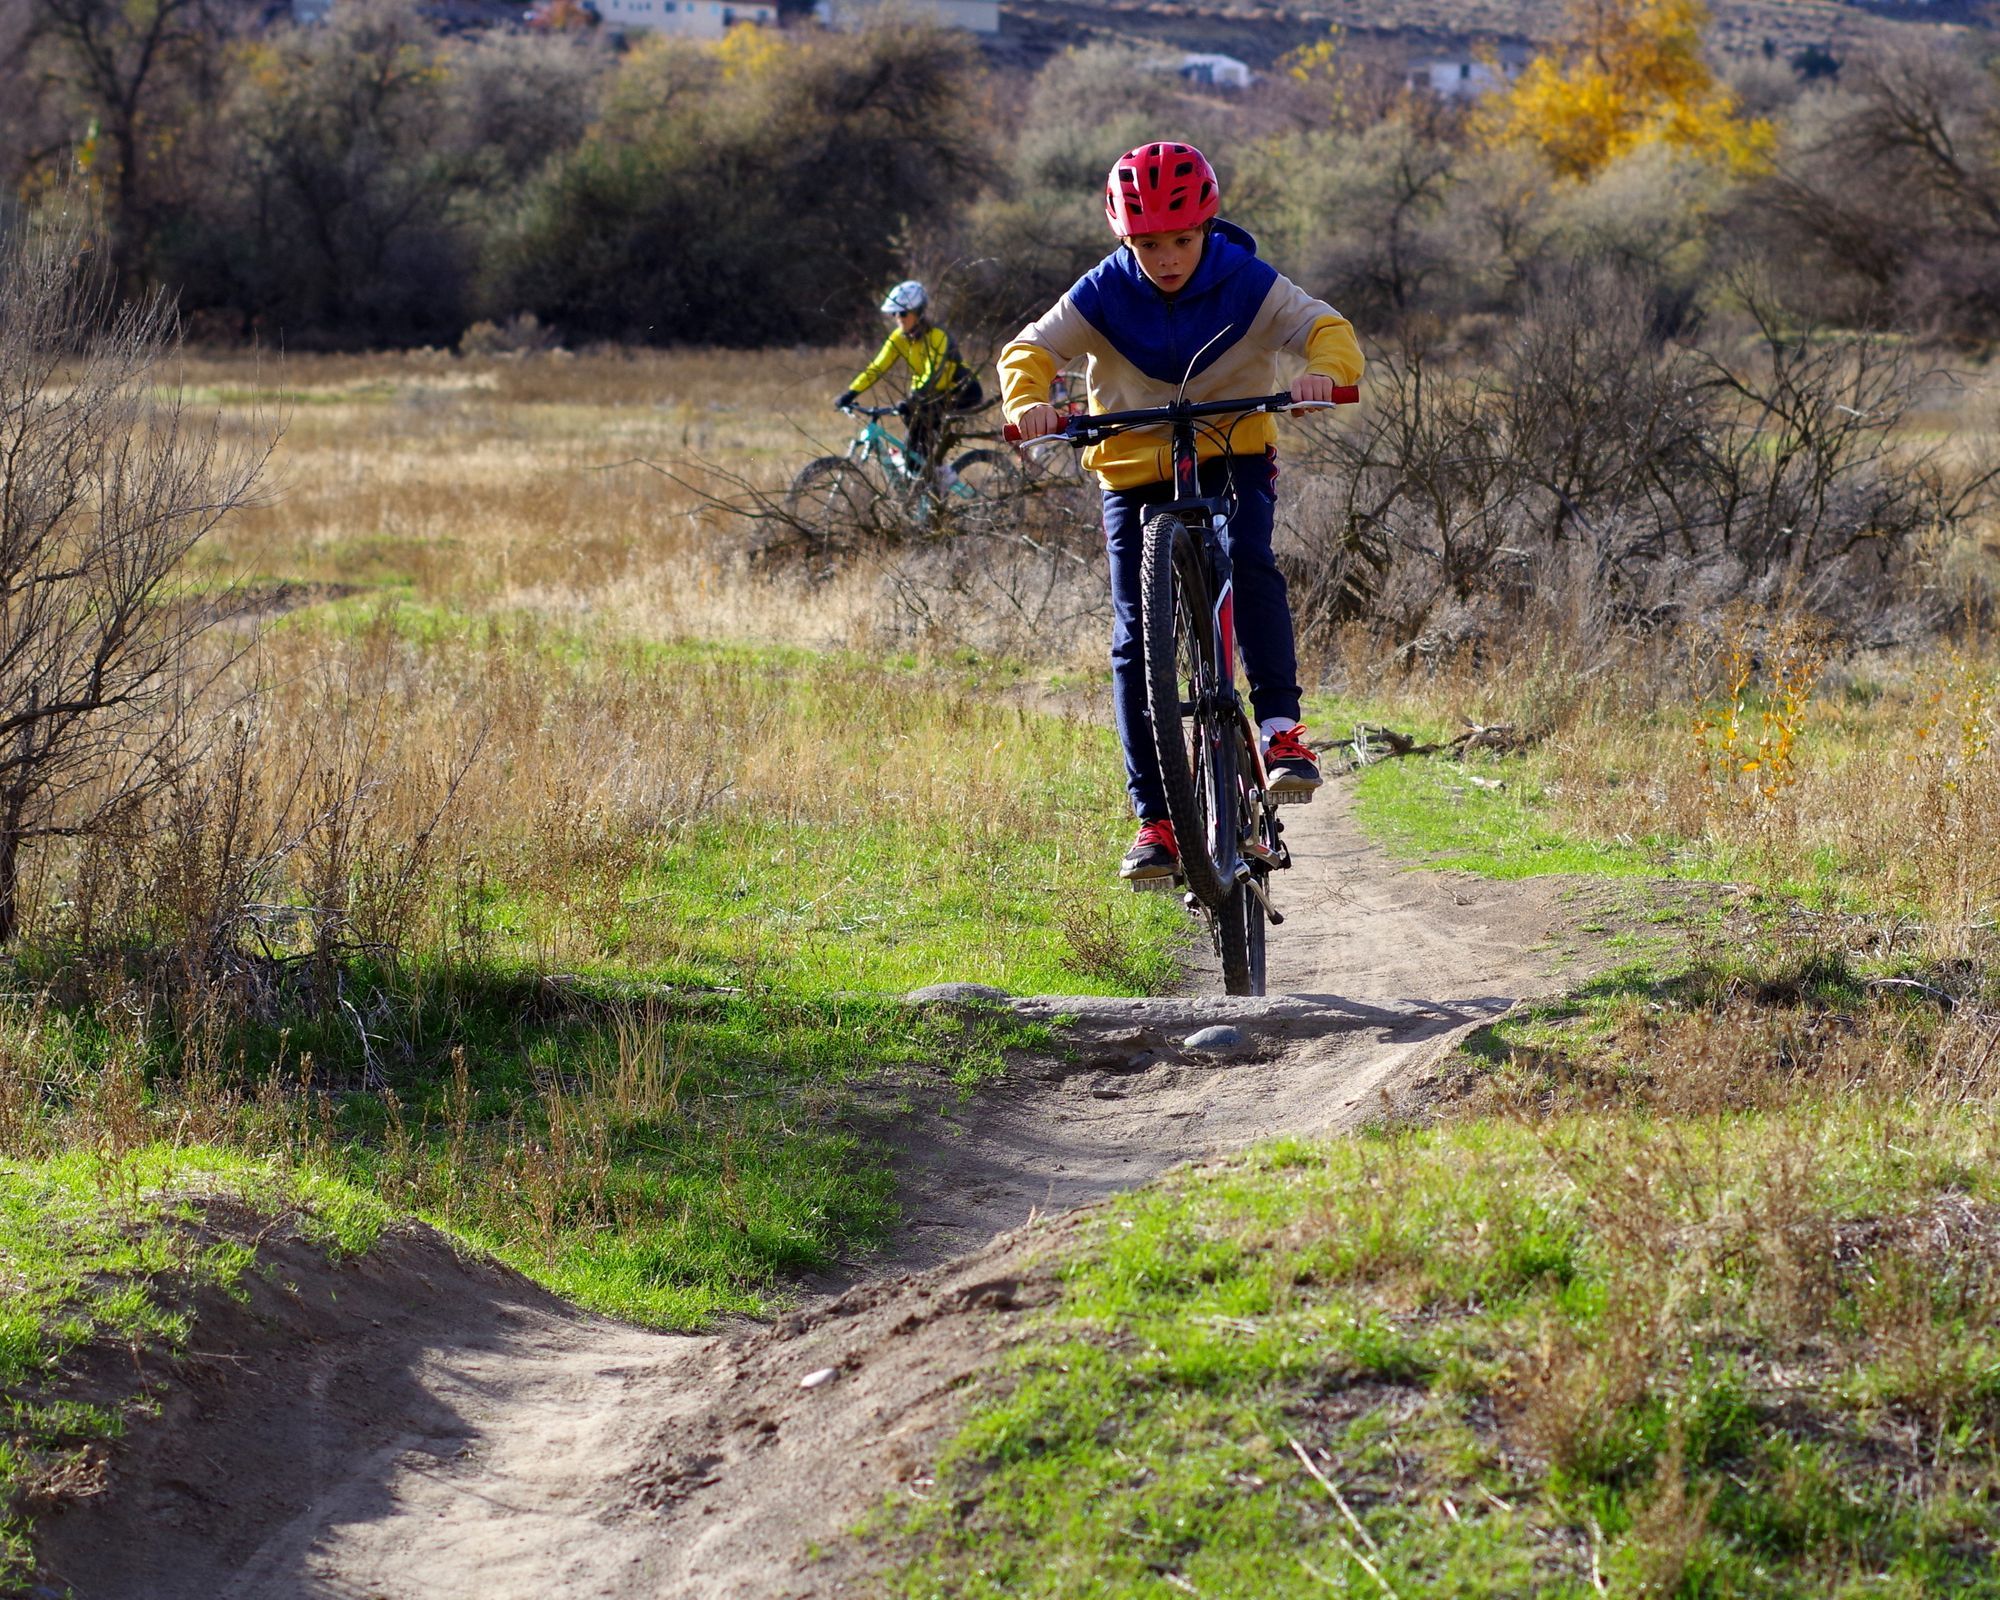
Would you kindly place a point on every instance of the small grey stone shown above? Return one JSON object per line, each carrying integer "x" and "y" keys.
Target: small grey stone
{"x": 1214, "y": 1041}
{"x": 958, "y": 994}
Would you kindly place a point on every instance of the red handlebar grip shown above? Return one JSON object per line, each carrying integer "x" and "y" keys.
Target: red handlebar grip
{"x": 1347, "y": 394}
{"x": 1011, "y": 434}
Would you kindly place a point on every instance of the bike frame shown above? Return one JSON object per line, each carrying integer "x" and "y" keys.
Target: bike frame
{"x": 875, "y": 441}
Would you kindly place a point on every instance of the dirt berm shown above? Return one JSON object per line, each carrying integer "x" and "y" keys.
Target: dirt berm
{"x": 415, "y": 1426}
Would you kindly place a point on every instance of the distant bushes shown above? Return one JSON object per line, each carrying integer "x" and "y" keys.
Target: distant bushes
{"x": 368, "y": 182}
{"x": 748, "y": 195}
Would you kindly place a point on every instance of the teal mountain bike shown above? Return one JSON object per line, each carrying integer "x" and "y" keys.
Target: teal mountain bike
{"x": 838, "y": 492}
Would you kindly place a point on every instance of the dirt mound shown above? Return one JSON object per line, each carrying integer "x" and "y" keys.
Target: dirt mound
{"x": 282, "y": 1391}
{"x": 417, "y": 1423}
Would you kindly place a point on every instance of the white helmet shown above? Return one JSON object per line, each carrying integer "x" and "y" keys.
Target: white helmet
{"x": 906, "y": 296}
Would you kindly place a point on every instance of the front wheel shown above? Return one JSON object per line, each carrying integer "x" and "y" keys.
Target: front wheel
{"x": 1193, "y": 736}
{"x": 831, "y": 497}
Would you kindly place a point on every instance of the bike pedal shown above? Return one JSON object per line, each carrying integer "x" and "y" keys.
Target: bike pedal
{"x": 1292, "y": 797}
{"x": 1154, "y": 885}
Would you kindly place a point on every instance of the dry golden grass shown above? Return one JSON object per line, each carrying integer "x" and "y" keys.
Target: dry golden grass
{"x": 485, "y": 675}
{"x": 516, "y": 484}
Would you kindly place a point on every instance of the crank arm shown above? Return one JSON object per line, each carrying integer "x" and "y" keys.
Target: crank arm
{"x": 1257, "y": 888}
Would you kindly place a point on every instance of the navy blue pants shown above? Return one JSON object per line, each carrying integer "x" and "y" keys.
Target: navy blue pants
{"x": 1263, "y": 614}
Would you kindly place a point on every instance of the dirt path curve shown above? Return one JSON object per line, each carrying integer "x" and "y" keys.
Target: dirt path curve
{"x": 478, "y": 1439}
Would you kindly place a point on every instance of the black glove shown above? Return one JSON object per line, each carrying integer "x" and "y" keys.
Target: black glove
{"x": 846, "y": 399}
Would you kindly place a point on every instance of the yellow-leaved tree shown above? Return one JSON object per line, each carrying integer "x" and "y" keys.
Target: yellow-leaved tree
{"x": 1630, "y": 72}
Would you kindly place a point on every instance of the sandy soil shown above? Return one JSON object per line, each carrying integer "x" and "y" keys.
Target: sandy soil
{"x": 419, "y": 1427}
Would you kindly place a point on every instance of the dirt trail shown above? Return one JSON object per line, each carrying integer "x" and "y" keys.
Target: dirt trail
{"x": 426, "y": 1429}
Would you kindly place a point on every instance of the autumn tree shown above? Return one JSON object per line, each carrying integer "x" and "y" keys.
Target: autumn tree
{"x": 125, "y": 79}
{"x": 1630, "y": 72}
{"x": 344, "y": 132}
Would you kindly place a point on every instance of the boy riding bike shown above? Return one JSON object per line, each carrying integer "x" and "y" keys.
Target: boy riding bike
{"x": 939, "y": 380}
{"x": 1185, "y": 297}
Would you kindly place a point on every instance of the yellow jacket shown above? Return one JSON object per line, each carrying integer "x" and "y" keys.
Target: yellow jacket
{"x": 935, "y": 367}
{"x": 1234, "y": 322}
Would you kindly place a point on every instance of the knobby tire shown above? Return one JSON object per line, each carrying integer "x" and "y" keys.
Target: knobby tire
{"x": 1240, "y": 923}
{"x": 832, "y": 495}
{"x": 988, "y": 473}
{"x": 1197, "y": 758}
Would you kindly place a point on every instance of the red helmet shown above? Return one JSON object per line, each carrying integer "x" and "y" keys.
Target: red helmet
{"x": 1160, "y": 186}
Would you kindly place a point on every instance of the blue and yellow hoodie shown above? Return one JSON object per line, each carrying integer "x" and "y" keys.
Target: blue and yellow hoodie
{"x": 1136, "y": 343}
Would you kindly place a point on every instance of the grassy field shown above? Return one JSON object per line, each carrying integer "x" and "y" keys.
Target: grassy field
{"x": 557, "y": 878}
{"x": 559, "y": 881}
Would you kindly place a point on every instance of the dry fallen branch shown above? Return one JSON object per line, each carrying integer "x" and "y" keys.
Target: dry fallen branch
{"x": 1375, "y": 742}
{"x": 1346, "y": 1511}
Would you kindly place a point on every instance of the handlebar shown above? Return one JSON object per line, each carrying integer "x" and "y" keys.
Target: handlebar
{"x": 873, "y": 411}
{"x": 1094, "y": 430}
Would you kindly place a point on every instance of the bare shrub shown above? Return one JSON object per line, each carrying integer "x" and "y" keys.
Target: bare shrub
{"x": 1024, "y": 579}
{"x": 105, "y": 490}
{"x": 1886, "y": 202}
{"x": 1601, "y": 476}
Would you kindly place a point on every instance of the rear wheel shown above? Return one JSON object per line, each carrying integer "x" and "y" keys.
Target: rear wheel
{"x": 989, "y": 474}
{"x": 1241, "y": 923}
{"x": 1196, "y": 752}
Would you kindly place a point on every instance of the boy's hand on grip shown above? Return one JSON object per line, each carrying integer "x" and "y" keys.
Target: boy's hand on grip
{"x": 1039, "y": 421}
{"x": 1313, "y": 386}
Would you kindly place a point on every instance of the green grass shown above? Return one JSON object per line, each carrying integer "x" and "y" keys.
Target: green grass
{"x": 1514, "y": 1363}
{"x": 102, "y": 1251}
{"x": 1430, "y": 811}
{"x": 732, "y": 1160}
{"x": 1487, "y": 814}
{"x": 678, "y": 1119}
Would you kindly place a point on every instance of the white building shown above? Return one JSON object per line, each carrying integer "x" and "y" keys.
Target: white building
{"x": 1465, "y": 74}
{"x": 975, "y": 16}
{"x": 692, "y": 19}
{"x": 1220, "y": 72}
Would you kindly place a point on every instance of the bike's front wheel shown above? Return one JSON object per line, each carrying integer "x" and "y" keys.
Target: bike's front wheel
{"x": 1185, "y": 693}
{"x": 833, "y": 496}
{"x": 1239, "y": 939}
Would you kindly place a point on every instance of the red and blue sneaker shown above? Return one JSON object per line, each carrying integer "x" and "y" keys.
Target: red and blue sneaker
{"x": 1154, "y": 861}
{"x": 1293, "y": 768}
